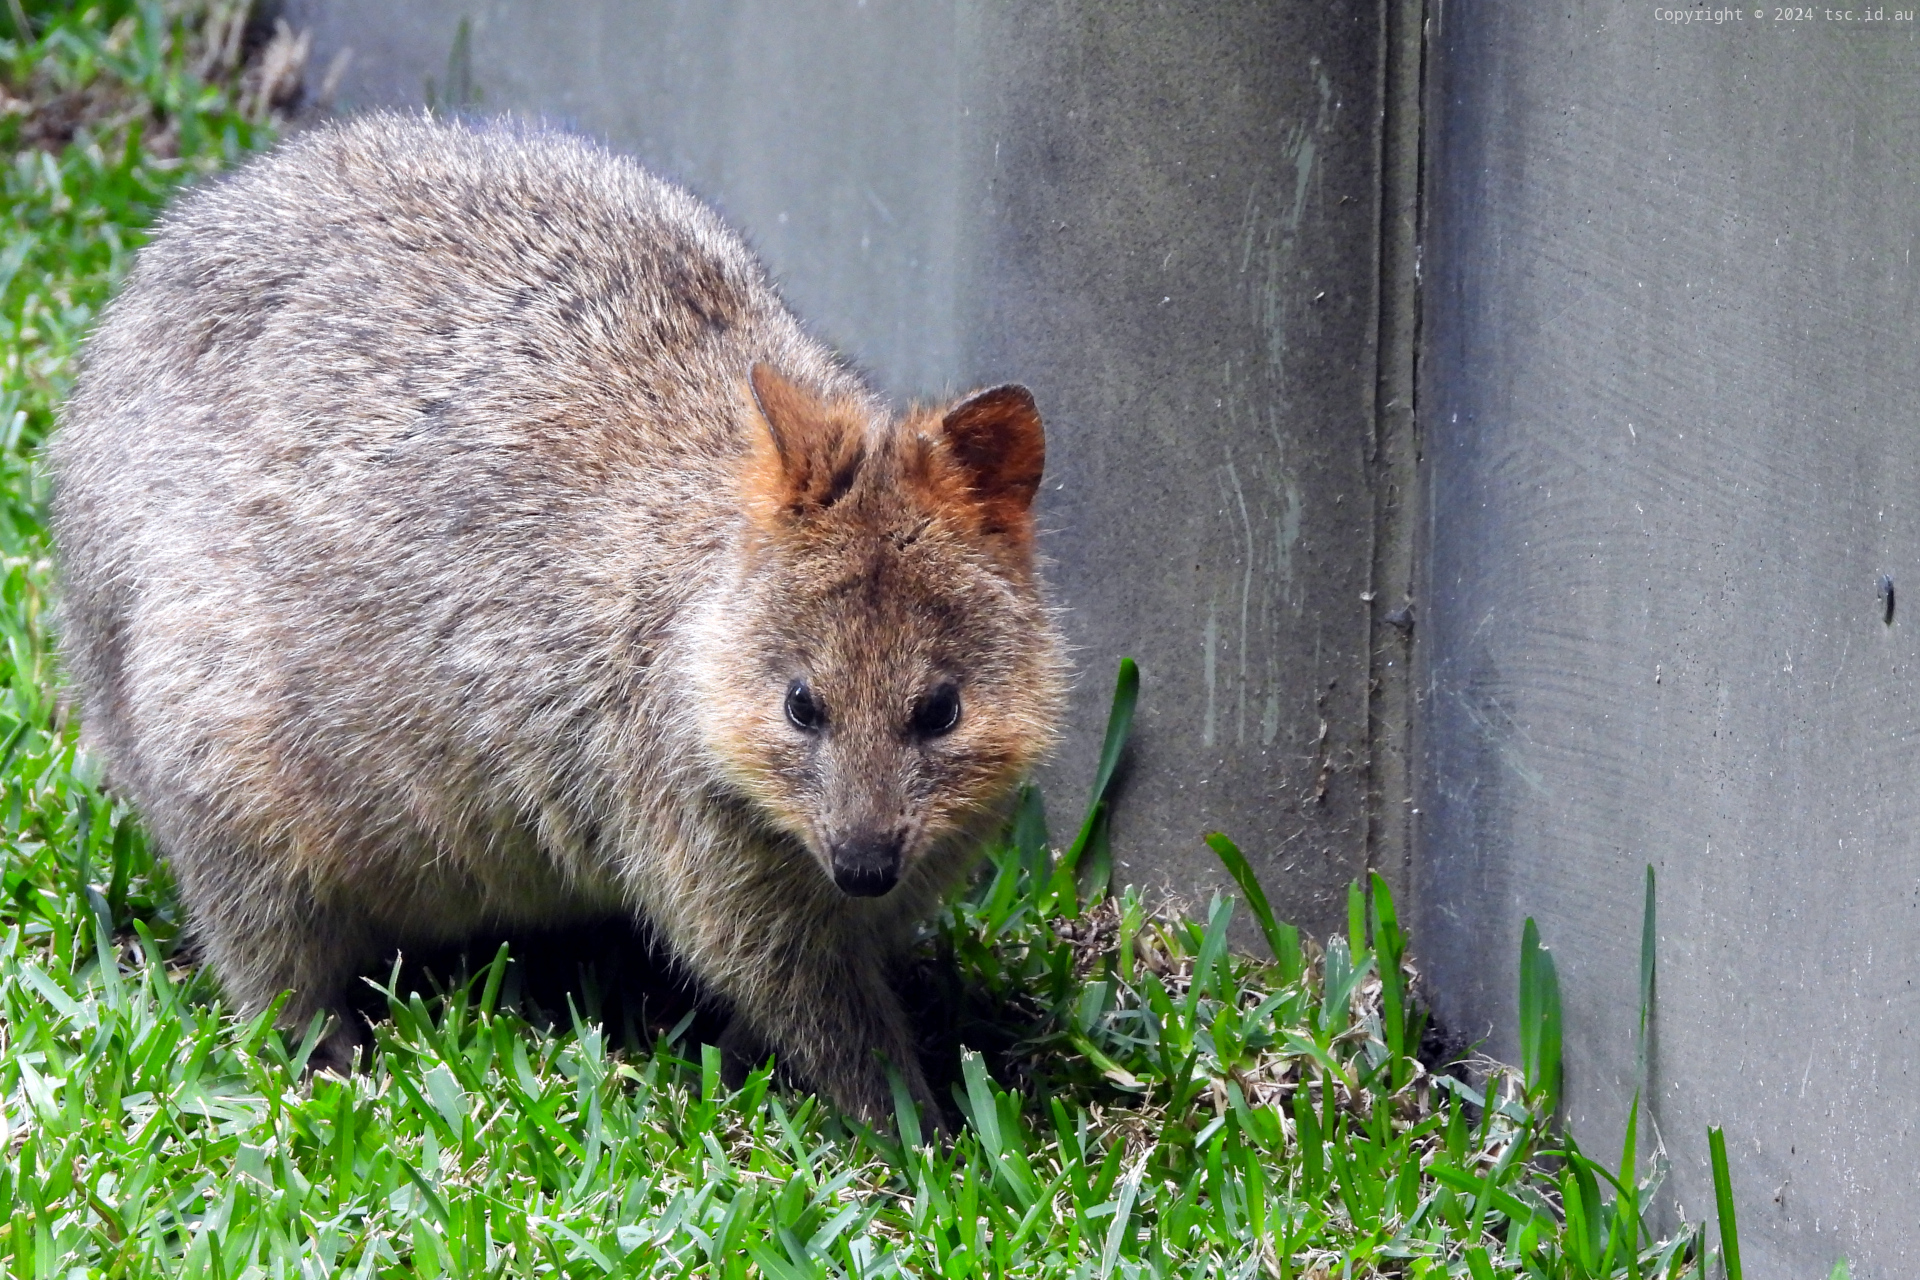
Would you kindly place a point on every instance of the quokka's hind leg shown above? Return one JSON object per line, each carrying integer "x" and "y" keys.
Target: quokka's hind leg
{"x": 265, "y": 931}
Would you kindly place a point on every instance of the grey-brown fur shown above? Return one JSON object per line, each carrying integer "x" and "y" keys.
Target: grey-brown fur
{"x": 430, "y": 564}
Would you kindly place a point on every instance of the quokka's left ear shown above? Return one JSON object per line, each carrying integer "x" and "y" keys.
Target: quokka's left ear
{"x": 995, "y": 438}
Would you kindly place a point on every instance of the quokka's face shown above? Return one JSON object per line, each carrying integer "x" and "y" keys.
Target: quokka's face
{"x": 884, "y": 672}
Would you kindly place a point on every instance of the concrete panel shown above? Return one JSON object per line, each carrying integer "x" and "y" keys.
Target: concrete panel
{"x": 1668, "y": 398}
{"x": 1162, "y": 217}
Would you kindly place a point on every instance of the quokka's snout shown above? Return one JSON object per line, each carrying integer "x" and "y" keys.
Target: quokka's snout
{"x": 457, "y": 532}
{"x": 867, "y": 865}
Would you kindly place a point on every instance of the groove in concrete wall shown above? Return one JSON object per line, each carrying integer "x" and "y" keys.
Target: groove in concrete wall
{"x": 1394, "y": 452}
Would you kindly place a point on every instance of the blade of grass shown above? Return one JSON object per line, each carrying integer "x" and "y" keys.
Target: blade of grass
{"x": 1539, "y": 1020}
{"x": 1283, "y": 940}
{"x": 1627, "y": 1203}
{"x": 1723, "y": 1203}
{"x": 1213, "y": 945}
{"x": 1487, "y": 1191}
{"x": 1096, "y": 860}
{"x": 1389, "y": 945}
{"x": 1030, "y": 835}
{"x": 496, "y": 972}
{"x": 1122, "y": 1220}
{"x": 1583, "y": 1225}
{"x": 906, "y": 1113}
{"x": 1126, "y": 693}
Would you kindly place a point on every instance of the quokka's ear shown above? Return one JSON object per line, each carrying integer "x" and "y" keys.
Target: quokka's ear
{"x": 995, "y": 438}
{"x": 809, "y": 453}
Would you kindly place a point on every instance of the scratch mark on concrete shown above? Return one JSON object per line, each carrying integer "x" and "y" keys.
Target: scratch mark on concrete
{"x": 1246, "y": 597}
{"x": 1249, "y": 225}
{"x": 1498, "y": 737}
{"x": 1287, "y": 522}
{"x": 1286, "y": 537}
{"x": 1211, "y": 639}
{"x": 1303, "y": 155}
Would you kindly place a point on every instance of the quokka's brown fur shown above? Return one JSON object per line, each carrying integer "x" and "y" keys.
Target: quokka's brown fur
{"x": 457, "y": 532}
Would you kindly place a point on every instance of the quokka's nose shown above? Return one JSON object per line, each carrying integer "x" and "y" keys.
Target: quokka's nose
{"x": 867, "y": 865}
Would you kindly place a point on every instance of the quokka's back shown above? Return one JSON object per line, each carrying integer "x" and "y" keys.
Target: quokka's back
{"x": 457, "y": 531}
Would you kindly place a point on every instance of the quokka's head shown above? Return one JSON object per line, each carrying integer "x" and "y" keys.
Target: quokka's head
{"x": 882, "y": 669}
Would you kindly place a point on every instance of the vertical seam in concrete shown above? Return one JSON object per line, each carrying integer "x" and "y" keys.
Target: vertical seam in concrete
{"x": 1393, "y": 451}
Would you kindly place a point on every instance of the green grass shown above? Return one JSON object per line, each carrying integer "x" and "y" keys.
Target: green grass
{"x": 1149, "y": 1102}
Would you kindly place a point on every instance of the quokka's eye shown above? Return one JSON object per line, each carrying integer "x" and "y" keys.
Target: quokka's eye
{"x": 938, "y": 712}
{"x": 802, "y": 710}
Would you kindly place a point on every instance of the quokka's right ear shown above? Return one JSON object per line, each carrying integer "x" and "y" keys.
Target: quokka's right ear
{"x": 809, "y": 452}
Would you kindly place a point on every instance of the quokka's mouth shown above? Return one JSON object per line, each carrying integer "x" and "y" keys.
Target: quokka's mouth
{"x": 866, "y": 884}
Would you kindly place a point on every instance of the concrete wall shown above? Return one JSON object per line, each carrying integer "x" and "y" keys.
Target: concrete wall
{"x": 1162, "y": 217}
{"x": 1671, "y": 412}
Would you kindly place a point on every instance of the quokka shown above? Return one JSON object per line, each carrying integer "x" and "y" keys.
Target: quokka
{"x": 457, "y": 532}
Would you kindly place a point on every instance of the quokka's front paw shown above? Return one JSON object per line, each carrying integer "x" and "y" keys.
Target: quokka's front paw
{"x": 742, "y": 1052}
{"x": 345, "y": 1047}
{"x": 879, "y": 1097}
